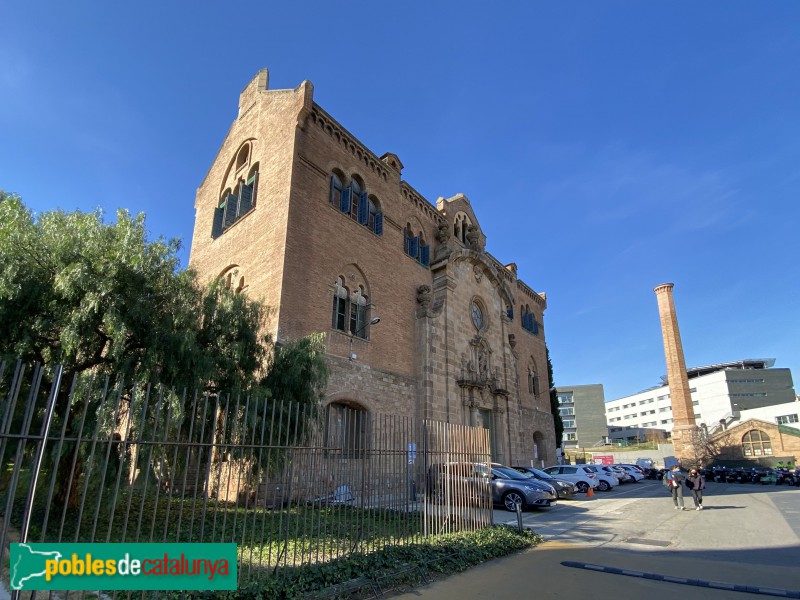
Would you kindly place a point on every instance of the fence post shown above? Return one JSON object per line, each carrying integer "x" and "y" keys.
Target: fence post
{"x": 51, "y": 404}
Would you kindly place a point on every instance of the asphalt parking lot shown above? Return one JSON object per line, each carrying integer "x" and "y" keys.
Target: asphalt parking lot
{"x": 747, "y": 535}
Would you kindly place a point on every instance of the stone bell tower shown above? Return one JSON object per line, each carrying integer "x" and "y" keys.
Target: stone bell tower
{"x": 685, "y": 430}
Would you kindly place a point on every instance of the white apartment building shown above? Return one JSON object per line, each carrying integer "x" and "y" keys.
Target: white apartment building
{"x": 719, "y": 394}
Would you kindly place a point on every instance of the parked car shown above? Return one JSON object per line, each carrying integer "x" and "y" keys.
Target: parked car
{"x": 545, "y": 485}
{"x": 606, "y": 479}
{"x": 565, "y": 489}
{"x": 459, "y": 481}
{"x": 634, "y": 472}
{"x": 580, "y": 475}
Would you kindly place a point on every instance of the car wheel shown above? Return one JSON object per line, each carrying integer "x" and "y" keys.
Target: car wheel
{"x": 582, "y": 486}
{"x": 604, "y": 486}
{"x": 511, "y": 499}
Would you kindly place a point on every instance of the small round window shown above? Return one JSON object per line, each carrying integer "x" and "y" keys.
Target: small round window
{"x": 478, "y": 318}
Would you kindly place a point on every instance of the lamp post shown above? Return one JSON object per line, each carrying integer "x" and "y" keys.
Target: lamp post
{"x": 372, "y": 321}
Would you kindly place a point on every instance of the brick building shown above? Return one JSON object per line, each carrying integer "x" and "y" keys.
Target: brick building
{"x": 297, "y": 212}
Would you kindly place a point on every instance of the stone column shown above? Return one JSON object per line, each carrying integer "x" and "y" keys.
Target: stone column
{"x": 684, "y": 426}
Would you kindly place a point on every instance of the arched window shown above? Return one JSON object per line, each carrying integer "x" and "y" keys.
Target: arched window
{"x": 235, "y": 204}
{"x": 756, "y": 443}
{"x": 529, "y": 322}
{"x": 336, "y": 190}
{"x": 533, "y": 383}
{"x": 340, "y": 305}
{"x": 241, "y": 158}
{"x": 359, "y": 199}
{"x": 350, "y": 311}
{"x": 347, "y": 430}
{"x": 358, "y": 313}
{"x": 460, "y": 226}
{"x": 415, "y": 246}
{"x": 354, "y": 202}
{"x": 233, "y": 279}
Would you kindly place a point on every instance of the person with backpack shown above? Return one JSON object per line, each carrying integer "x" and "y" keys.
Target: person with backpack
{"x": 674, "y": 482}
{"x": 697, "y": 483}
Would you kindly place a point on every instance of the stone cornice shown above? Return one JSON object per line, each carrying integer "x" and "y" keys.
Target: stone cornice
{"x": 523, "y": 287}
{"x": 336, "y": 131}
{"x": 419, "y": 200}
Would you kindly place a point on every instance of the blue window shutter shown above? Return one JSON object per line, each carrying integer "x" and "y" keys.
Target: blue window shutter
{"x": 246, "y": 199}
{"x": 510, "y": 312}
{"x": 413, "y": 247}
{"x": 535, "y": 326}
{"x": 344, "y": 205}
{"x": 378, "y": 224}
{"x": 425, "y": 254}
{"x": 216, "y": 228}
{"x": 231, "y": 205}
{"x": 363, "y": 208}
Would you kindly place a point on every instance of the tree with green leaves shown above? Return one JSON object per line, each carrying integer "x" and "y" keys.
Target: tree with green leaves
{"x": 558, "y": 422}
{"x": 91, "y": 295}
{"x": 100, "y": 298}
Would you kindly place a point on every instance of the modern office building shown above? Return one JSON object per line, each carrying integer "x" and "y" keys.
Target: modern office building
{"x": 781, "y": 414}
{"x": 718, "y": 393}
{"x": 582, "y": 409}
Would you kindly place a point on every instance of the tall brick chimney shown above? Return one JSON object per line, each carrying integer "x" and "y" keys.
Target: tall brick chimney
{"x": 684, "y": 426}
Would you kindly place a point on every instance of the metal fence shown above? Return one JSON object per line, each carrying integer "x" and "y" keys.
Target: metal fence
{"x": 95, "y": 459}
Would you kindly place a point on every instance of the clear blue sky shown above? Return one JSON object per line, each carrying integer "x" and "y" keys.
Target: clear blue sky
{"x": 606, "y": 147}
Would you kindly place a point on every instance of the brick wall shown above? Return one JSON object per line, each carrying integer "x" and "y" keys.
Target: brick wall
{"x": 425, "y": 358}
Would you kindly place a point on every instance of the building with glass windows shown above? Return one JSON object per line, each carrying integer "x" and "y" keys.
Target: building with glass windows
{"x": 720, "y": 393}
{"x": 419, "y": 318}
{"x": 582, "y": 410}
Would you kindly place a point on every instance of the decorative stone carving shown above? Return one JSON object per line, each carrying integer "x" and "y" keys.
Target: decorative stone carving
{"x": 424, "y": 295}
{"x": 478, "y": 272}
{"x": 512, "y": 340}
{"x": 443, "y": 235}
{"x": 473, "y": 237}
{"x": 483, "y": 364}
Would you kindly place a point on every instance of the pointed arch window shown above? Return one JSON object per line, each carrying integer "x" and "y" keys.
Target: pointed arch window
{"x": 533, "y": 382}
{"x": 340, "y": 305}
{"x": 529, "y": 322}
{"x": 350, "y": 310}
{"x": 235, "y": 203}
{"x": 358, "y": 313}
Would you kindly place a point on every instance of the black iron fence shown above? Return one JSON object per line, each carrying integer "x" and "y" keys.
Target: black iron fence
{"x": 96, "y": 459}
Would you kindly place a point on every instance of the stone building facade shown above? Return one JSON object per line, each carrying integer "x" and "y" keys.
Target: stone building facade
{"x": 299, "y": 213}
{"x": 756, "y": 441}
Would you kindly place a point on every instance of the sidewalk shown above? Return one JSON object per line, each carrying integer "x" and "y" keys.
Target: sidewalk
{"x": 539, "y": 573}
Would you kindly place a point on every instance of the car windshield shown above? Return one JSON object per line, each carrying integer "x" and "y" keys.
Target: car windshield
{"x": 591, "y": 468}
{"x": 539, "y": 473}
{"x": 506, "y": 473}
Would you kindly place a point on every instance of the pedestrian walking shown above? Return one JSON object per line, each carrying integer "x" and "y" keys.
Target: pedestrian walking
{"x": 676, "y": 478}
{"x": 697, "y": 483}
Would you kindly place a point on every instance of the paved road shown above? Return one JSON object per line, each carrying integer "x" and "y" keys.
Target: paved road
{"x": 747, "y": 535}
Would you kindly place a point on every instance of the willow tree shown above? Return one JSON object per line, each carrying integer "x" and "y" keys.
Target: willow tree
{"x": 100, "y": 297}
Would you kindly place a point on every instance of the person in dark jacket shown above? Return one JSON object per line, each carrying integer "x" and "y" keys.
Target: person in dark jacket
{"x": 676, "y": 478}
{"x": 697, "y": 483}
